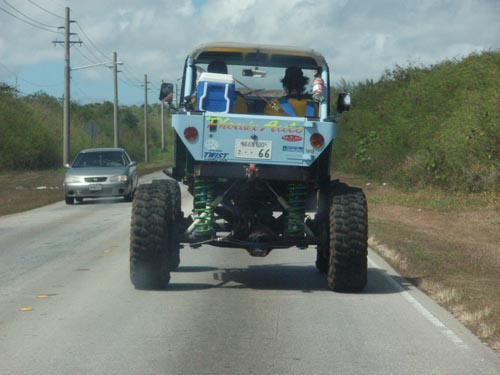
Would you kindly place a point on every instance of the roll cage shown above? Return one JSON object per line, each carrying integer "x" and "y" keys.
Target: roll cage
{"x": 254, "y": 55}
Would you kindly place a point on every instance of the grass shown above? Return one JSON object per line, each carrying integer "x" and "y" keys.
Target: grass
{"x": 21, "y": 191}
{"x": 427, "y": 126}
{"x": 448, "y": 245}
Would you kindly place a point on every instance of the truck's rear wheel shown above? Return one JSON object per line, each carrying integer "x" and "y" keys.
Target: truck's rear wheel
{"x": 323, "y": 230}
{"x": 347, "y": 270}
{"x": 321, "y": 261}
{"x": 172, "y": 187}
{"x": 153, "y": 237}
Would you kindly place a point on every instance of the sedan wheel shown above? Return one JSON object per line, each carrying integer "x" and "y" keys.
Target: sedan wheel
{"x": 130, "y": 196}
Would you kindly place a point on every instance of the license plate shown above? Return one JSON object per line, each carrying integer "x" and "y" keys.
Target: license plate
{"x": 250, "y": 149}
{"x": 95, "y": 187}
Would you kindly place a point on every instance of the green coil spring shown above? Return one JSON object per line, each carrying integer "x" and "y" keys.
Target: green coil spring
{"x": 203, "y": 197}
{"x": 296, "y": 198}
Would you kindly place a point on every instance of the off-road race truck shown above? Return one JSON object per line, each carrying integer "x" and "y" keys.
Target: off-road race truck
{"x": 259, "y": 182}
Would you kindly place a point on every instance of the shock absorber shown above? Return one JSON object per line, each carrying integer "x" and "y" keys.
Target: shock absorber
{"x": 296, "y": 197}
{"x": 203, "y": 196}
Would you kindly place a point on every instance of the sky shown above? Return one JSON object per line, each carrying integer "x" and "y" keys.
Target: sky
{"x": 360, "y": 39}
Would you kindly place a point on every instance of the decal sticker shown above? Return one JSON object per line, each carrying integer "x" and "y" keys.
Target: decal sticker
{"x": 211, "y": 144}
{"x": 271, "y": 126}
{"x": 274, "y": 126}
{"x": 292, "y": 138}
{"x": 293, "y": 148}
{"x": 215, "y": 155}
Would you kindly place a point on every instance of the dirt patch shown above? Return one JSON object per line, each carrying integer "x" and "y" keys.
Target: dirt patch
{"x": 447, "y": 245}
{"x": 20, "y": 191}
{"x": 26, "y": 190}
{"x": 477, "y": 231}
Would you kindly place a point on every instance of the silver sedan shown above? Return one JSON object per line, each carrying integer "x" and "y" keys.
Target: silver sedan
{"x": 101, "y": 172}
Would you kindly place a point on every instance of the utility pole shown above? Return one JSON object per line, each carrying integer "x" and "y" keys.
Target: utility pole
{"x": 115, "y": 108}
{"x": 113, "y": 65}
{"x": 162, "y": 124}
{"x": 146, "y": 135}
{"x": 67, "y": 76}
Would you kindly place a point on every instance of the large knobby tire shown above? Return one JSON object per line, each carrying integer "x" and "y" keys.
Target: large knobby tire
{"x": 153, "y": 236}
{"x": 322, "y": 253}
{"x": 323, "y": 230}
{"x": 175, "y": 203}
{"x": 347, "y": 269}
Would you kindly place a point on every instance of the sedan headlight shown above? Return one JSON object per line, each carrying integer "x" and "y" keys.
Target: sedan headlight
{"x": 119, "y": 178}
{"x": 72, "y": 179}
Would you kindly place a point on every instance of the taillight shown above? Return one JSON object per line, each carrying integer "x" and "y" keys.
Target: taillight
{"x": 191, "y": 133}
{"x": 317, "y": 140}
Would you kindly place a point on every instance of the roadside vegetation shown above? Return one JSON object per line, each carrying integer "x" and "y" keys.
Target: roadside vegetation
{"x": 423, "y": 142}
{"x": 31, "y": 129}
{"x": 427, "y": 126}
{"x": 31, "y": 172}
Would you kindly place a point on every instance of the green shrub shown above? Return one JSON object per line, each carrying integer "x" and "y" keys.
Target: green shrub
{"x": 31, "y": 129}
{"x": 436, "y": 125}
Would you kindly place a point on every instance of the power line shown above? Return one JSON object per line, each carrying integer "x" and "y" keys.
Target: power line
{"x": 139, "y": 83}
{"x": 85, "y": 96}
{"x": 131, "y": 76}
{"x": 28, "y": 17}
{"x": 22, "y": 92}
{"x": 90, "y": 40}
{"x": 86, "y": 57}
{"x": 92, "y": 53}
{"x": 29, "y": 23}
{"x": 94, "y": 45}
{"x": 25, "y": 80}
{"x": 128, "y": 83}
{"x": 45, "y": 10}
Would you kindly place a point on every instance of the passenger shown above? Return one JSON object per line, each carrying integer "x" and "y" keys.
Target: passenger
{"x": 217, "y": 66}
{"x": 295, "y": 103}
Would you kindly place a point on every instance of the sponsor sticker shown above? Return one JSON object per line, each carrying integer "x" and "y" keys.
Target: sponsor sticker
{"x": 292, "y": 138}
{"x": 293, "y": 148}
{"x": 211, "y": 144}
{"x": 273, "y": 126}
{"x": 215, "y": 155}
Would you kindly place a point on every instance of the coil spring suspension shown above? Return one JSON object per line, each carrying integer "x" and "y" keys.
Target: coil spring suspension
{"x": 203, "y": 197}
{"x": 296, "y": 197}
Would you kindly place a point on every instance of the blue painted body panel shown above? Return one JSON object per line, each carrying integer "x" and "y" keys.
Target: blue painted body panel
{"x": 222, "y": 136}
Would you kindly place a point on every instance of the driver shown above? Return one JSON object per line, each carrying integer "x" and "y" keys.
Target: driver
{"x": 295, "y": 103}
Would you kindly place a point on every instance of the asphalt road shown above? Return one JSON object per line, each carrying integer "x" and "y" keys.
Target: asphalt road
{"x": 67, "y": 307}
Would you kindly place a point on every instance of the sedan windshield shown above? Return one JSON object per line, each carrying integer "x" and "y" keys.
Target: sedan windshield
{"x": 100, "y": 159}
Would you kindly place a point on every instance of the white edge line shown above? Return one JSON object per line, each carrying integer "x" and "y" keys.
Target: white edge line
{"x": 422, "y": 310}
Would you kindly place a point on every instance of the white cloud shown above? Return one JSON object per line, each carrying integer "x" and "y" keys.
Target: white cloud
{"x": 359, "y": 38}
